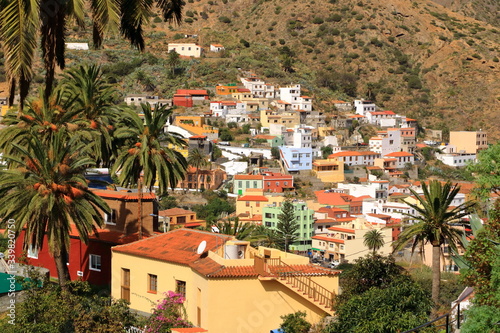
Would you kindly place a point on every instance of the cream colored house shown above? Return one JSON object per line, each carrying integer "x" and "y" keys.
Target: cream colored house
{"x": 186, "y": 49}
{"x": 229, "y": 286}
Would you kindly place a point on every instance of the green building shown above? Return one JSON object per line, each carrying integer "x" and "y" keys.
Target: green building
{"x": 304, "y": 217}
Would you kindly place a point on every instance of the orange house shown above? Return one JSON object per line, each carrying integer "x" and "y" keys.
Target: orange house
{"x": 178, "y": 217}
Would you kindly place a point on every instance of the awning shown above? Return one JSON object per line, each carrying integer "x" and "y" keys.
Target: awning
{"x": 316, "y": 249}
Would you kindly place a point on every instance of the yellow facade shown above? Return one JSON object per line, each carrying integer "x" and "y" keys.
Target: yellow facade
{"x": 195, "y": 124}
{"x": 329, "y": 171}
{"x": 289, "y": 119}
{"x": 233, "y": 296}
{"x": 255, "y": 203}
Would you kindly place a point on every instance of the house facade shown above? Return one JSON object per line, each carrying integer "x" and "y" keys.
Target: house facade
{"x": 186, "y": 49}
{"x": 296, "y": 159}
{"x": 209, "y": 269}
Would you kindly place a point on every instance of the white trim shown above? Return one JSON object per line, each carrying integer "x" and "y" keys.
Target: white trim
{"x": 90, "y": 262}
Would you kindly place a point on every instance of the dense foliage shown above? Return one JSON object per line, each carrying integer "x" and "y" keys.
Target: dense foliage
{"x": 379, "y": 296}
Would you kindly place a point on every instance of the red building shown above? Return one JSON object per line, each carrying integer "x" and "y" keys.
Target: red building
{"x": 189, "y": 97}
{"x": 92, "y": 262}
{"x": 277, "y": 182}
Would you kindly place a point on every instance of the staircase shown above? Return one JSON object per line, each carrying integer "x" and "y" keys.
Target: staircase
{"x": 303, "y": 285}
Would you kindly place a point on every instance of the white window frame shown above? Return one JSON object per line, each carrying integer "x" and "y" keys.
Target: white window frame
{"x": 91, "y": 262}
{"x": 108, "y": 218}
{"x": 32, "y": 252}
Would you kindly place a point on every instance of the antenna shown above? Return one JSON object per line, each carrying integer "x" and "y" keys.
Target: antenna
{"x": 201, "y": 247}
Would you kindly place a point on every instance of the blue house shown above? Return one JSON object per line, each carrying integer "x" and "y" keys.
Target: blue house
{"x": 296, "y": 159}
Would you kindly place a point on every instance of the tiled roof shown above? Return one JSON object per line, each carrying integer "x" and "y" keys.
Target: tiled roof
{"x": 399, "y": 154}
{"x": 248, "y": 177}
{"x": 107, "y": 236}
{"x": 333, "y": 198}
{"x": 198, "y": 137}
{"x": 329, "y": 239}
{"x": 253, "y": 198}
{"x": 178, "y": 246}
{"x": 125, "y": 196}
{"x": 192, "y": 91}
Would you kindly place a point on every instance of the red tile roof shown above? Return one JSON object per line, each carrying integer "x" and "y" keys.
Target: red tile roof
{"x": 107, "y": 236}
{"x": 329, "y": 239}
{"x": 192, "y": 92}
{"x": 399, "y": 154}
{"x": 247, "y": 177}
{"x": 333, "y": 198}
{"x": 253, "y": 198}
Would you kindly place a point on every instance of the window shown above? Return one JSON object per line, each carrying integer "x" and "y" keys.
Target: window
{"x": 152, "y": 283}
{"x": 247, "y": 204}
{"x": 180, "y": 287}
{"x": 95, "y": 262}
{"x": 111, "y": 217}
{"x": 125, "y": 284}
{"x": 32, "y": 252}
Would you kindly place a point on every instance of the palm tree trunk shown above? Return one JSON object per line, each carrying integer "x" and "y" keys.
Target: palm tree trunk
{"x": 139, "y": 207}
{"x": 60, "y": 259}
{"x": 197, "y": 179}
{"x": 436, "y": 273}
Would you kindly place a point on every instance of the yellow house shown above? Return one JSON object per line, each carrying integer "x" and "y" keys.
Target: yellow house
{"x": 251, "y": 203}
{"x": 228, "y": 285}
{"x": 330, "y": 170}
{"x": 196, "y": 125}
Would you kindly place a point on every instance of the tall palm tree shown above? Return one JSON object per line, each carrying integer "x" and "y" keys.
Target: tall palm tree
{"x": 21, "y": 21}
{"x": 373, "y": 240}
{"x": 45, "y": 192}
{"x": 433, "y": 217}
{"x": 146, "y": 157}
{"x": 197, "y": 159}
{"x": 94, "y": 101}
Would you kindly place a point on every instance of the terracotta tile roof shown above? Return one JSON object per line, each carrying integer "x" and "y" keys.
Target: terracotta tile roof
{"x": 235, "y": 271}
{"x": 325, "y": 221}
{"x": 253, "y": 198}
{"x": 373, "y": 168}
{"x": 107, "y": 236}
{"x": 356, "y": 116}
{"x": 263, "y": 136}
{"x": 192, "y": 92}
{"x": 248, "y": 177}
{"x": 399, "y": 154}
{"x": 125, "y": 196}
{"x": 329, "y": 239}
{"x": 338, "y": 102}
{"x": 178, "y": 246}
{"x": 380, "y": 216}
{"x": 174, "y": 211}
{"x": 217, "y": 45}
{"x": 333, "y": 198}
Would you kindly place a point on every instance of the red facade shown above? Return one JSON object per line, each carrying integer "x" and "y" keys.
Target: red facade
{"x": 79, "y": 254}
{"x": 183, "y": 100}
{"x": 277, "y": 182}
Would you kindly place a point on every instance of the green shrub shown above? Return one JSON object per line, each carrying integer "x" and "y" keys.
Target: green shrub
{"x": 157, "y": 19}
{"x": 189, "y": 13}
{"x": 188, "y": 20}
{"x": 224, "y": 19}
{"x": 318, "y": 20}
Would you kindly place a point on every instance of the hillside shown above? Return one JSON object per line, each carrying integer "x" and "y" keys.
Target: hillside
{"x": 416, "y": 58}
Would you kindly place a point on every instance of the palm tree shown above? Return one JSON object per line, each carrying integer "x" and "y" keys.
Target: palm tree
{"x": 433, "y": 217}
{"x": 373, "y": 240}
{"x": 45, "y": 192}
{"x": 197, "y": 159}
{"x": 146, "y": 158}
{"x": 94, "y": 102}
{"x": 21, "y": 21}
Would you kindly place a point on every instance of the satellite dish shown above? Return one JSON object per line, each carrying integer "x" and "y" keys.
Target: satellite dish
{"x": 201, "y": 247}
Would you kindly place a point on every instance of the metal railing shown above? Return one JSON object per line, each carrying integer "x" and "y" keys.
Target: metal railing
{"x": 296, "y": 279}
{"x": 449, "y": 321}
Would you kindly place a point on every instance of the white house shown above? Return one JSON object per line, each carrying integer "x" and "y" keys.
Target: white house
{"x": 363, "y": 107}
{"x": 216, "y": 47}
{"x": 402, "y": 158}
{"x": 77, "y": 46}
{"x": 456, "y": 160}
{"x": 351, "y": 158}
{"x": 186, "y": 49}
{"x": 375, "y": 117}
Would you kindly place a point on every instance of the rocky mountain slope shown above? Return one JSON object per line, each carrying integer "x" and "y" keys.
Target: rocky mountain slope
{"x": 413, "y": 57}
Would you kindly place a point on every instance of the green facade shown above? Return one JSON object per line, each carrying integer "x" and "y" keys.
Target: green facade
{"x": 304, "y": 217}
